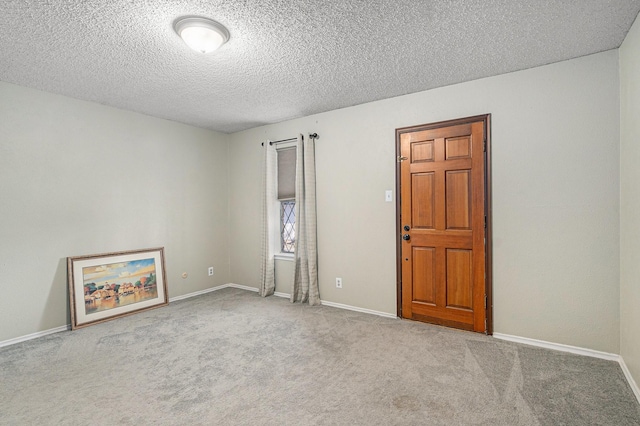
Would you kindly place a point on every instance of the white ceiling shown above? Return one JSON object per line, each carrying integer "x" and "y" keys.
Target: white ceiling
{"x": 288, "y": 58}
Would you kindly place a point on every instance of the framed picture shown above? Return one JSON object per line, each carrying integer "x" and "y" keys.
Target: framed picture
{"x": 107, "y": 286}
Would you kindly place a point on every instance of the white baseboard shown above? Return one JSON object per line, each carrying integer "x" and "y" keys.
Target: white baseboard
{"x": 558, "y": 347}
{"x": 241, "y": 287}
{"x": 209, "y": 290}
{"x": 356, "y": 309}
{"x": 197, "y": 293}
{"x": 579, "y": 351}
{"x": 342, "y": 306}
{"x": 34, "y": 335}
{"x": 630, "y": 380}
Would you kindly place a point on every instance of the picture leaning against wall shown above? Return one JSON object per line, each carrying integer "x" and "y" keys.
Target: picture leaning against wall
{"x": 107, "y": 286}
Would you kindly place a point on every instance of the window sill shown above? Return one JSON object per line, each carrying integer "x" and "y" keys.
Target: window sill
{"x": 284, "y": 256}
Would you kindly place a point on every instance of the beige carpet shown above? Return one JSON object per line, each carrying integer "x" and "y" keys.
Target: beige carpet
{"x": 231, "y": 357}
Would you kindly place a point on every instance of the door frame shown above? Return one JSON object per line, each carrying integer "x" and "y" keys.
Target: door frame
{"x": 486, "y": 119}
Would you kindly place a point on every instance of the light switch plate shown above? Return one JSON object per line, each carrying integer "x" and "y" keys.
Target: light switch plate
{"x": 388, "y": 195}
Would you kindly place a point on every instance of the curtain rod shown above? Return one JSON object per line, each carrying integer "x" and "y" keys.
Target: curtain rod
{"x": 311, "y": 135}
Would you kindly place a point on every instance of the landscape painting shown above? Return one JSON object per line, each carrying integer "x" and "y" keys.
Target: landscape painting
{"x": 118, "y": 284}
{"x": 110, "y": 285}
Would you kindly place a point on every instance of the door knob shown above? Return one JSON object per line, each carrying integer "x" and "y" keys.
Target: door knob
{"x": 406, "y": 237}
{"x": 407, "y": 227}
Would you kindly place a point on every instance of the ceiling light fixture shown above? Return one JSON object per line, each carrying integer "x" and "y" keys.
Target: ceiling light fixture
{"x": 201, "y": 34}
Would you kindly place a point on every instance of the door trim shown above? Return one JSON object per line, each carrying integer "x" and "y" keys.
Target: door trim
{"x": 486, "y": 119}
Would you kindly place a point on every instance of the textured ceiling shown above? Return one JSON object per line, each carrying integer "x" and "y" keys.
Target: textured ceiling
{"x": 288, "y": 58}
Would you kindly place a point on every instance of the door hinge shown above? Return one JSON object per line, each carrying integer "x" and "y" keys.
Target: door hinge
{"x": 484, "y": 145}
{"x": 486, "y": 303}
{"x": 401, "y": 158}
{"x": 485, "y": 221}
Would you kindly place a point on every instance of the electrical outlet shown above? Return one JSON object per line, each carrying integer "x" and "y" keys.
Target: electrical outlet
{"x": 210, "y": 270}
{"x": 338, "y": 282}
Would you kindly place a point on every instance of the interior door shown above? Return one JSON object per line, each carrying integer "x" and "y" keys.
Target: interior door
{"x": 442, "y": 220}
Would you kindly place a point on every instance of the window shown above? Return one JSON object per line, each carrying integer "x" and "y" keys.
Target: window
{"x": 287, "y": 198}
{"x": 287, "y": 225}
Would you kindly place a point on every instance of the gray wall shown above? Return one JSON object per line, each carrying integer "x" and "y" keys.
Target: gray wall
{"x": 630, "y": 201}
{"x": 555, "y": 197}
{"x": 79, "y": 178}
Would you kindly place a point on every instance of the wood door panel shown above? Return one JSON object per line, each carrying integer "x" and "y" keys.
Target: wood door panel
{"x": 424, "y": 275}
{"x": 456, "y": 148}
{"x": 444, "y": 166}
{"x": 459, "y": 278}
{"x": 458, "y": 199}
{"x": 422, "y": 151}
{"x": 446, "y": 313}
{"x": 423, "y": 210}
{"x": 461, "y": 240}
{"x": 438, "y": 132}
{"x": 442, "y": 204}
{"x": 434, "y": 319}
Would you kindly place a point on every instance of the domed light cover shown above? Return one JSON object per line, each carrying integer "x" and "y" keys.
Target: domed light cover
{"x": 201, "y": 34}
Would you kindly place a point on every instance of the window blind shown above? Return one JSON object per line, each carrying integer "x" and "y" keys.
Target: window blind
{"x": 287, "y": 173}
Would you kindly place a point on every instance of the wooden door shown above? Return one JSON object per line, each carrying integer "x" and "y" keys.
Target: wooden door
{"x": 442, "y": 223}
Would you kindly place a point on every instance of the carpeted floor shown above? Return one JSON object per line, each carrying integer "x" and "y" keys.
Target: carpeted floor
{"x": 230, "y": 357}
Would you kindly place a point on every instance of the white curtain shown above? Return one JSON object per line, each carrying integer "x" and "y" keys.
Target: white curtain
{"x": 305, "y": 282}
{"x": 269, "y": 177}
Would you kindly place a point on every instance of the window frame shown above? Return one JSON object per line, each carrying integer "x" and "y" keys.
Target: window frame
{"x": 282, "y": 225}
{"x": 277, "y": 226}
